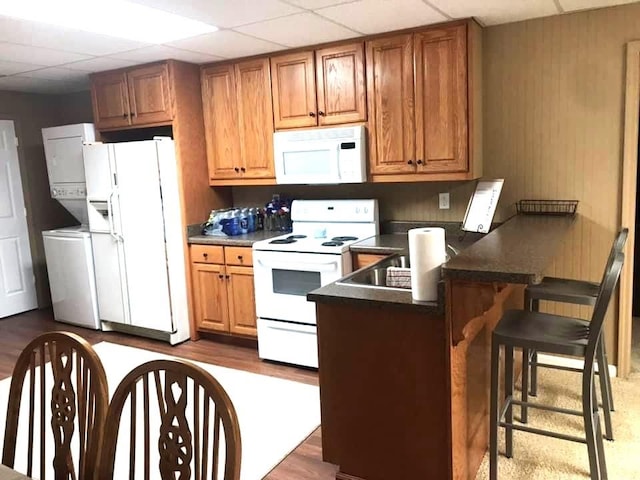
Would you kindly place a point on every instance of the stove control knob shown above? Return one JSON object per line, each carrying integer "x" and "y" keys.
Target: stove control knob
{"x": 366, "y": 209}
{"x": 357, "y": 210}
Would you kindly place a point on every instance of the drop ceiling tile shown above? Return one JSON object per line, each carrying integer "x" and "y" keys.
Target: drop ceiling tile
{"x": 572, "y": 5}
{"x": 162, "y": 52}
{"x": 39, "y": 85}
{"x": 41, "y": 35}
{"x": 227, "y": 44}
{"x": 314, "y": 4}
{"x": 12, "y": 68}
{"x": 58, "y": 73}
{"x": 298, "y": 30}
{"x": 225, "y": 13}
{"x": 493, "y": 12}
{"x": 374, "y": 16}
{"x": 99, "y": 64}
{"x": 38, "y": 55}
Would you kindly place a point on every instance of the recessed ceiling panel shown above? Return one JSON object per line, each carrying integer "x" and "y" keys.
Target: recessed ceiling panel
{"x": 492, "y": 12}
{"x": 571, "y": 5}
{"x": 162, "y": 52}
{"x": 225, "y": 13}
{"x": 11, "y": 68}
{"x": 299, "y": 30}
{"x": 38, "y": 55}
{"x": 227, "y": 44}
{"x": 382, "y": 15}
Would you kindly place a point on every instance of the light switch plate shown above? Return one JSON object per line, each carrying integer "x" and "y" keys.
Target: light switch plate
{"x": 443, "y": 200}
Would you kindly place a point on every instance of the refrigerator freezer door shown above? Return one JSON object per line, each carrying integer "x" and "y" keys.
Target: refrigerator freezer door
{"x": 139, "y": 220}
{"x": 108, "y": 259}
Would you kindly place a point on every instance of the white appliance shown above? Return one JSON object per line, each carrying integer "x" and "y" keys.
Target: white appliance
{"x": 71, "y": 276}
{"x": 321, "y": 155}
{"x": 68, "y": 251}
{"x": 288, "y": 267}
{"x": 136, "y": 232}
{"x": 63, "y": 153}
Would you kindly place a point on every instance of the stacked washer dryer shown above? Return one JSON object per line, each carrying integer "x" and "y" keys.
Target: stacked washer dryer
{"x": 68, "y": 250}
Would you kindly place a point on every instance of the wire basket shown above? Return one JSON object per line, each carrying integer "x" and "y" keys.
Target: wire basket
{"x": 547, "y": 207}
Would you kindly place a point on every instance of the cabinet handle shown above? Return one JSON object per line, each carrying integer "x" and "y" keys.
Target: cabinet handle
{"x": 236, "y": 169}
{"x": 125, "y": 115}
{"x": 419, "y": 162}
{"x": 242, "y": 169}
{"x": 205, "y": 255}
{"x": 227, "y": 277}
{"x": 133, "y": 114}
{"x": 240, "y": 257}
{"x": 321, "y": 113}
{"x": 312, "y": 114}
{"x": 410, "y": 162}
{"x": 220, "y": 276}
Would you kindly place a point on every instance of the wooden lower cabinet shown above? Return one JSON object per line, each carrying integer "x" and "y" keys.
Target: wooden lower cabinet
{"x": 223, "y": 294}
{"x": 361, "y": 260}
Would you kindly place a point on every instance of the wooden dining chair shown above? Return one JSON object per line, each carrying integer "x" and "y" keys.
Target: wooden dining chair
{"x": 169, "y": 419}
{"x": 57, "y": 407}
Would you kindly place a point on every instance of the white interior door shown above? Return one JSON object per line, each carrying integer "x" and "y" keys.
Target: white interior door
{"x": 17, "y": 282}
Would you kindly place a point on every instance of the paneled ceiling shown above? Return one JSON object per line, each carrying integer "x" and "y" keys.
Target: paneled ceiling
{"x": 41, "y": 58}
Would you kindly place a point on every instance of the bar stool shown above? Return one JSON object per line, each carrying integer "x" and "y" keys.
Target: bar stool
{"x": 553, "y": 334}
{"x": 576, "y": 292}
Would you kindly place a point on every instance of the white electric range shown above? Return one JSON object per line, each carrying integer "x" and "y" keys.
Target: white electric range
{"x": 289, "y": 266}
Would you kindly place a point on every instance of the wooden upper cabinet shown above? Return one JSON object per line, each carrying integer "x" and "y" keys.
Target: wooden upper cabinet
{"x": 220, "y": 110}
{"x": 294, "y": 90}
{"x": 110, "y": 99}
{"x": 149, "y": 95}
{"x": 441, "y": 100}
{"x": 255, "y": 117}
{"x": 392, "y": 136}
{"x": 341, "y": 88}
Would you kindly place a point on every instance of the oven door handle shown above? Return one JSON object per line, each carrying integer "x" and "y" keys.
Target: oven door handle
{"x": 304, "y": 266}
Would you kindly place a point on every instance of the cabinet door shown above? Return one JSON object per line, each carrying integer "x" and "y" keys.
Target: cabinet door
{"x": 294, "y": 90}
{"x": 150, "y": 95}
{"x": 441, "y": 100}
{"x": 340, "y": 84}
{"x": 210, "y": 297}
{"x": 221, "y": 121}
{"x": 110, "y": 100}
{"x": 255, "y": 115}
{"x": 391, "y": 109}
{"x": 242, "y": 302}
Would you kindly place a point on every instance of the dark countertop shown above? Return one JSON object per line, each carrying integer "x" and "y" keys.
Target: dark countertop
{"x": 519, "y": 251}
{"x": 246, "y": 240}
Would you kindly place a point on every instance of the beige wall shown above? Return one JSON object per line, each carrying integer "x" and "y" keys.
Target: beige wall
{"x": 30, "y": 114}
{"x": 553, "y": 122}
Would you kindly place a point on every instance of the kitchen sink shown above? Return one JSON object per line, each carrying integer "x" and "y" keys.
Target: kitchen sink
{"x": 375, "y": 275}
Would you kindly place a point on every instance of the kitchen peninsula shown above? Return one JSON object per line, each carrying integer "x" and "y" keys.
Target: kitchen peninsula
{"x": 404, "y": 385}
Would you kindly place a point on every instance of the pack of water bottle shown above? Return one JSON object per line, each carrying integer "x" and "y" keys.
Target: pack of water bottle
{"x": 234, "y": 221}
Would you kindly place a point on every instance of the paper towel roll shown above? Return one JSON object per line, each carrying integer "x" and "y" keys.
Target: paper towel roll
{"x": 427, "y": 251}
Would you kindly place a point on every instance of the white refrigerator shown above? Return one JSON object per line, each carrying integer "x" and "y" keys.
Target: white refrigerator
{"x": 136, "y": 233}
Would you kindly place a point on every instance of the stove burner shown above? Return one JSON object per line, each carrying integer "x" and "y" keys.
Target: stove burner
{"x": 343, "y": 239}
{"x": 282, "y": 241}
{"x": 297, "y": 236}
{"x": 332, "y": 243}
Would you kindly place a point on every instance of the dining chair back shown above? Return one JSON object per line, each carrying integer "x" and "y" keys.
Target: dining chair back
{"x": 170, "y": 419}
{"x": 57, "y": 407}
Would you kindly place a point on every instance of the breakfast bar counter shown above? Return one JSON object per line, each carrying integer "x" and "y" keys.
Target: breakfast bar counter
{"x": 403, "y": 384}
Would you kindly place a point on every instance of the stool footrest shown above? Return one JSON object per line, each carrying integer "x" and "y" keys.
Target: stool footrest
{"x": 547, "y": 408}
{"x": 546, "y": 433}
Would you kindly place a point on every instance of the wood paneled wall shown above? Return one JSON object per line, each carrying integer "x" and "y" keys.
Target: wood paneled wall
{"x": 553, "y": 122}
{"x": 31, "y": 113}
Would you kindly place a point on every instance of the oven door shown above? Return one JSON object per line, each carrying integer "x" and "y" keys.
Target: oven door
{"x": 283, "y": 279}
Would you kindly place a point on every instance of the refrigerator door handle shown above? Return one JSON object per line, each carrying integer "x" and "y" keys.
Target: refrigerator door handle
{"x": 112, "y": 232}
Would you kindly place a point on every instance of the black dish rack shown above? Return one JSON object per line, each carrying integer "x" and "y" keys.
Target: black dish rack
{"x": 547, "y": 207}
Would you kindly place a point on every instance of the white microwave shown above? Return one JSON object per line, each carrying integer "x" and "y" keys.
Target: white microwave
{"x": 322, "y": 155}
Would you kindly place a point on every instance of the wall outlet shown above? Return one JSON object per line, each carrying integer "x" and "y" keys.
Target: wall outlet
{"x": 443, "y": 200}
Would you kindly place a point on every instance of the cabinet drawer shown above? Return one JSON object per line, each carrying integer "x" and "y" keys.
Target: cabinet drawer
{"x": 207, "y": 254}
{"x": 238, "y": 256}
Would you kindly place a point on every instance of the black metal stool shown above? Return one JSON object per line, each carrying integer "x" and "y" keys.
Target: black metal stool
{"x": 577, "y": 292}
{"x": 556, "y": 335}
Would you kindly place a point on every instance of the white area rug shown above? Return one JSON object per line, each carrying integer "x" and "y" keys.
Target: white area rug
{"x": 275, "y": 415}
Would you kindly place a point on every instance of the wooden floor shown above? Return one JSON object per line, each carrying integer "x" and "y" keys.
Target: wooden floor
{"x": 304, "y": 463}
